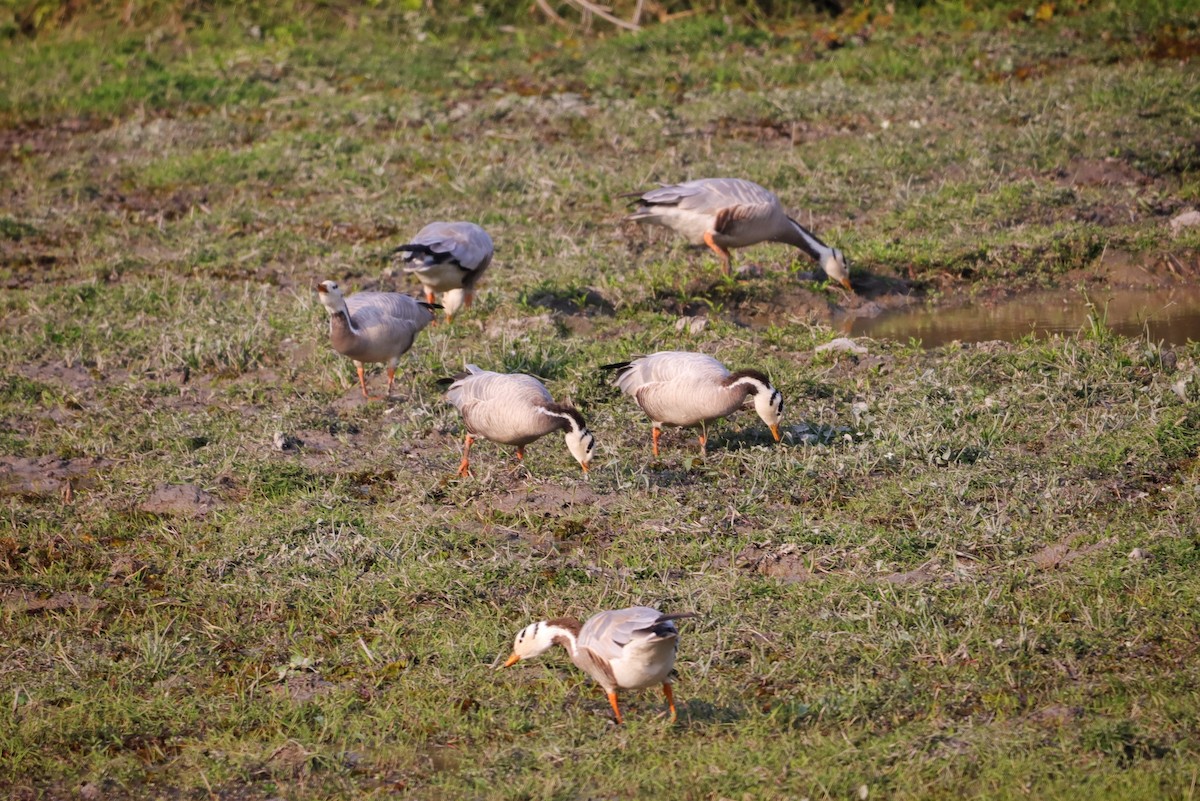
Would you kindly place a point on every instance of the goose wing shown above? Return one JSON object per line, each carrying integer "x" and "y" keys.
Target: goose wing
{"x": 388, "y": 314}
{"x": 464, "y": 244}
{"x": 675, "y": 387}
{"x": 501, "y": 406}
{"x": 607, "y": 634}
{"x": 729, "y": 201}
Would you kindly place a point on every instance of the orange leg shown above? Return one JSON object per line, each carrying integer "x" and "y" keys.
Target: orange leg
{"x": 612, "y": 701}
{"x": 362, "y": 379}
{"x": 703, "y": 440}
{"x": 655, "y": 433}
{"x": 429, "y": 300}
{"x": 721, "y": 252}
{"x": 391, "y": 374}
{"x": 464, "y": 469}
{"x": 670, "y": 699}
{"x": 468, "y": 299}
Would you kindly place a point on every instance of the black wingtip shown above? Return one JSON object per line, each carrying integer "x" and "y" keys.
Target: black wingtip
{"x": 412, "y": 248}
{"x": 430, "y": 306}
{"x": 615, "y": 366}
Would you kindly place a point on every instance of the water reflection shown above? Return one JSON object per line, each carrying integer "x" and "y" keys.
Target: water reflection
{"x": 1169, "y": 315}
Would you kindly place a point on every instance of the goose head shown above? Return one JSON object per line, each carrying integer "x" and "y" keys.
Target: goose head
{"x": 331, "y": 296}
{"x": 533, "y": 640}
{"x": 580, "y": 441}
{"x": 768, "y": 402}
{"x": 834, "y": 265}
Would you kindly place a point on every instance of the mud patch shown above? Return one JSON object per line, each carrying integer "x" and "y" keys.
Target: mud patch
{"x": 47, "y": 476}
{"x": 180, "y": 500}
{"x": 784, "y": 562}
{"x": 1101, "y": 172}
{"x": 545, "y": 500}
{"x": 29, "y": 602}
{"x": 1061, "y": 554}
{"x": 912, "y": 578}
{"x": 74, "y": 377}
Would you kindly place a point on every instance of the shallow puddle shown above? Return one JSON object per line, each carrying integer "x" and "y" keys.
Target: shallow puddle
{"x": 1167, "y": 315}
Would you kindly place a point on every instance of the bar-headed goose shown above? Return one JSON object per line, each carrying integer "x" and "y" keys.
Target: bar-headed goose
{"x": 677, "y": 388}
{"x": 726, "y": 213}
{"x": 622, "y": 649}
{"x": 449, "y": 257}
{"x": 373, "y": 326}
{"x": 514, "y": 409}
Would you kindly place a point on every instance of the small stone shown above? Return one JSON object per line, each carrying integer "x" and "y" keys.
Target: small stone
{"x": 285, "y": 442}
{"x": 1188, "y": 219}
{"x": 842, "y": 344}
{"x": 1140, "y": 555}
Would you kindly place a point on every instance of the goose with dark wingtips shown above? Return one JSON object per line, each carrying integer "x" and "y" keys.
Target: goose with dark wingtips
{"x": 622, "y": 649}
{"x": 373, "y": 326}
{"x": 450, "y": 258}
{"x": 728, "y": 213}
{"x": 514, "y": 409}
{"x": 678, "y": 388}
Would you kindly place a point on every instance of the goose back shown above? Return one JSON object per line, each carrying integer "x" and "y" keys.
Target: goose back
{"x": 636, "y": 647}
{"x": 680, "y": 388}
{"x": 503, "y": 407}
{"x": 449, "y": 255}
{"x": 381, "y": 326}
{"x": 736, "y": 211}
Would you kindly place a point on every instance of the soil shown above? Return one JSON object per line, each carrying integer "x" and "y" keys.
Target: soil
{"x": 48, "y": 476}
{"x": 181, "y": 500}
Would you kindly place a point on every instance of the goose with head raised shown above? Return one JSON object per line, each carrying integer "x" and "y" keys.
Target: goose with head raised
{"x": 373, "y": 326}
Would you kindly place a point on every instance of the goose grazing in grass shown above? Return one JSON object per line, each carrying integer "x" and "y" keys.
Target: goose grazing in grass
{"x": 677, "y": 388}
{"x": 514, "y": 409}
{"x": 373, "y": 326}
{"x": 449, "y": 257}
{"x": 727, "y": 213}
{"x": 622, "y": 649}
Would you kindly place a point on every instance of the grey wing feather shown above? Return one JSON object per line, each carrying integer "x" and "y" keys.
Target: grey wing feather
{"x": 390, "y": 309}
{"x": 710, "y": 195}
{"x": 465, "y": 243}
{"x": 607, "y": 633}
{"x": 669, "y": 366}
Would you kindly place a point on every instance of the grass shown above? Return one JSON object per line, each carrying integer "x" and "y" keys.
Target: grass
{"x": 925, "y": 591}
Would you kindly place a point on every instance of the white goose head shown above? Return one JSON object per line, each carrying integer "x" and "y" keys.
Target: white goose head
{"x": 538, "y": 638}
{"x": 331, "y": 296}
{"x": 834, "y": 265}
{"x": 580, "y": 441}
{"x": 768, "y": 401}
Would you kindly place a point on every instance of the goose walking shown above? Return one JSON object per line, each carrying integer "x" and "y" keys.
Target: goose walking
{"x": 449, "y": 257}
{"x": 677, "y": 388}
{"x": 622, "y": 649}
{"x": 727, "y": 213}
{"x": 514, "y": 409}
{"x": 373, "y": 326}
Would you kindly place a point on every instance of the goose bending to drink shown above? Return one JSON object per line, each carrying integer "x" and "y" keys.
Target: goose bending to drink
{"x": 373, "y": 326}
{"x": 514, "y": 409}
{"x": 622, "y": 649}
{"x": 678, "y": 388}
{"x": 728, "y": 213}
{"x": 449, "y": 257}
